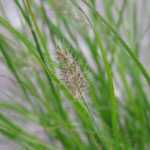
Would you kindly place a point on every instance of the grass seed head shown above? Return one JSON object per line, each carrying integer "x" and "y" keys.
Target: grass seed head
{"x": 71, "y": 74}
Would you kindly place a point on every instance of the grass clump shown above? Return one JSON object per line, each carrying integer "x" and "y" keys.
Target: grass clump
{"x": 91, "y": 94}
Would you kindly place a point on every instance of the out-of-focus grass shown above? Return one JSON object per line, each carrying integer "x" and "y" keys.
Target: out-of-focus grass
{"x": 99, "y": 118}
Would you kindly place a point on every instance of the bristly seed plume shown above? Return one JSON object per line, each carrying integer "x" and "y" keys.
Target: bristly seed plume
{"x": 71, "y": 74}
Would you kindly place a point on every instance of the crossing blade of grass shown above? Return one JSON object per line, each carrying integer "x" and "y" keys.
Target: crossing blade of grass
{"x": 19, "y": 36}
{"x": 56, "y": 98}
{"x": 14, "y": 107}
{"x": 3, "y": 46}
{"x": 14, "y": 132}
{"x": 125, "y": 45}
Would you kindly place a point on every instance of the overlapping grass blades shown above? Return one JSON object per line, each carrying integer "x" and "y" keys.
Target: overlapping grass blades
{"x": 100, "y": 119}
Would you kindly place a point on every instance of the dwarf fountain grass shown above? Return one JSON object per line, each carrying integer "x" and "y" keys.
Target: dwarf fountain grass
{"x": 77, "y": 108}
{"x": 71, "y": 74}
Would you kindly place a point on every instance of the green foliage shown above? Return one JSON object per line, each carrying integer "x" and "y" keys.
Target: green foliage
{"x": 99, "y": 119}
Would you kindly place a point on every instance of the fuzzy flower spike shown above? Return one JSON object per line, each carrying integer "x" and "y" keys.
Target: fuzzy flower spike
{"x": 71, "y": 74}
